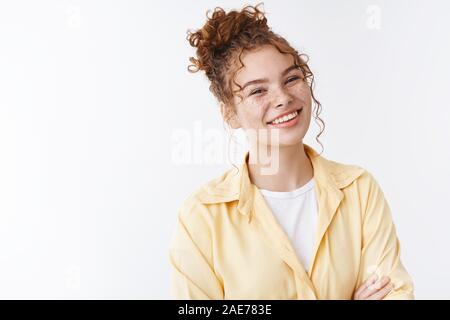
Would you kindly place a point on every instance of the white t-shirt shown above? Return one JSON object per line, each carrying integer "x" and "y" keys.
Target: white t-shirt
{"x": 297, "y": 212}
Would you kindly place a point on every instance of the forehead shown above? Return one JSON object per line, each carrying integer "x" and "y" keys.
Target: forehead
{"x": 265, "y": 62}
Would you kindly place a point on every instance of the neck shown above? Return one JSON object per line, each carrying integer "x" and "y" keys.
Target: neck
{"x": 294, "y": 169}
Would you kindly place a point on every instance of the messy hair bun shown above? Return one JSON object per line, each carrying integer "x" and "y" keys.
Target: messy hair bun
{"x": 221, "y": 33}
{"x": 222, "y": 40}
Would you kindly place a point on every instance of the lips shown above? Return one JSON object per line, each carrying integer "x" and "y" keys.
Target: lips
{"x": 285, "y": 116}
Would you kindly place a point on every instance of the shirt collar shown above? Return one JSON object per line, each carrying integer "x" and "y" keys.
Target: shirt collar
{"x": 236, "y": 185}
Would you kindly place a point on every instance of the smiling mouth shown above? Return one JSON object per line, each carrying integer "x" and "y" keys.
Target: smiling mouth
{"x": 287, "y": 117}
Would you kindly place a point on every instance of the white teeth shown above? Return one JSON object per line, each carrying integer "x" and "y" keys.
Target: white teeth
{"x": 285, "y": 118}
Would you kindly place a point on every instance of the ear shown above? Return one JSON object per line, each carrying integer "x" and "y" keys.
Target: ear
{"x": 229, "y": 116}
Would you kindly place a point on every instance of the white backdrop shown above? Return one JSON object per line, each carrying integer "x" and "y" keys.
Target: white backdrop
{"x": 96, "y": 102}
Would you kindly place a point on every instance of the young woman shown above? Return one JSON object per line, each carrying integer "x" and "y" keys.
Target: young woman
{"x": 290, "y": 224}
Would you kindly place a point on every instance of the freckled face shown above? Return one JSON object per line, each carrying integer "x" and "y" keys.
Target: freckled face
{"x": 280, "y": 99}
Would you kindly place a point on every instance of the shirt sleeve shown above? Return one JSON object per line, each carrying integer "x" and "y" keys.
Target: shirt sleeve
{"x": 380, "y": 245}
{"x": 190, "y": 255}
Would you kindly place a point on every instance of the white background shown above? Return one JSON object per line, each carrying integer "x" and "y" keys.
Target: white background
{"x": 94, "y": 93}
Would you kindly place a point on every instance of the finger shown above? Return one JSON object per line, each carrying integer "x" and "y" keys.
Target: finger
{"x": 364, "y": 286}
{"x": 379, "y": 295}
{"x": 373, "y": 288}
{"x": 366, "y": 283}
{"x": 378, "y": 287}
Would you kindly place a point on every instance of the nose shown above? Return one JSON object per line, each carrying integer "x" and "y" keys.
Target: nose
{"x": 282, "y": 98}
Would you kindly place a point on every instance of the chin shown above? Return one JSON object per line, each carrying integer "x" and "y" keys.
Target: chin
{"x": 291, "y": 138}
{"x": 288, "y": 141}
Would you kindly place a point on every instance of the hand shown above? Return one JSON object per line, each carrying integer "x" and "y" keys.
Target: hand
{"x": 372, "y": 289}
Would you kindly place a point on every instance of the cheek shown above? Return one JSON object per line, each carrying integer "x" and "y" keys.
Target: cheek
{"x": 303, "y": 92}
{"x": 304, "y": 95}
{"x": 252, "y": 113}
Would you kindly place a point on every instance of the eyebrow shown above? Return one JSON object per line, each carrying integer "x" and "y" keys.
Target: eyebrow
{"x": 266, "y": 80}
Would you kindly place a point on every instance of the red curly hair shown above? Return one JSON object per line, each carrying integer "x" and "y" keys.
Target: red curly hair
{"x": 221, "y": 42}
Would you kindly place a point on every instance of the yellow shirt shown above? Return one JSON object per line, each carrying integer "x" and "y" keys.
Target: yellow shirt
{"x": 228, "y": 245}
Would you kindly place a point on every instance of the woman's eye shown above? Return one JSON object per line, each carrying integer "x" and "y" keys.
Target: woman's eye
{"x": 292, "y": 78}
{"x": 256, "y": 91}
